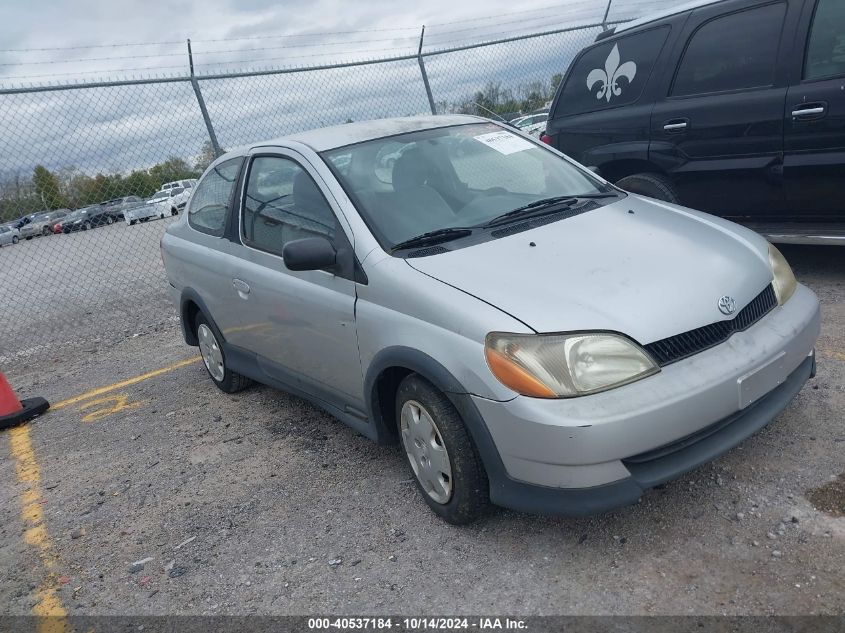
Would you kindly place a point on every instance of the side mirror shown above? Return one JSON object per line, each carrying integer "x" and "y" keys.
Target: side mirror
{"x": 311, "y": 253}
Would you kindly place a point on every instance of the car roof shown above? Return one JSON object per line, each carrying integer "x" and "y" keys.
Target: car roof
{"x": 665, "y": 13}
{"x": 327, "y": 138}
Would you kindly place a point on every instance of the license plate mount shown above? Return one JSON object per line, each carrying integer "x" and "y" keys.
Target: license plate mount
{"x": 757, "y": 383}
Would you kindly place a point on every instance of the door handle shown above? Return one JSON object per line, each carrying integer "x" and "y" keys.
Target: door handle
{"x": 809, "y": 111}
{"x": 241, "y": 286}
{"x": 675, "y": 126}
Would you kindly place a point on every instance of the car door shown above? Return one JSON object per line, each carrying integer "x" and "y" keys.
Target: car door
{"x": 300, "y": 324}
{"x": 208, "y": 258}
{"x": 601, "y": 112}
{"x": 814, "y": 154}
{"x": 718, "y": 130}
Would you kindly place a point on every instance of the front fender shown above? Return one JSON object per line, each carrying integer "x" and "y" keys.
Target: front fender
{"x": 425, "y": 366}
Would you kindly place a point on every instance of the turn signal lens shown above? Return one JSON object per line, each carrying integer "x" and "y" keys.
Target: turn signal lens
{"x": 784, "y": 279}
{"x": 512, "y": 375}
{"x": 565, "y": 365}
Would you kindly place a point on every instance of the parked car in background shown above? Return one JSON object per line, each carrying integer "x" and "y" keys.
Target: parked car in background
{"x": 526, "y": 332}
{"x": 686, "y": 107}
{"x": 85, "y": 219}
{"x": 162, "y": 204}
{"x": 26, "y": 219}
{"x": 530, "y": 120}
{"x": 182, "y": 184}
{"x": 8, "y": 235}
{"x": 43, "y": 223}
{"x": 117, "y": 206}
{"x": 536, "y": 129}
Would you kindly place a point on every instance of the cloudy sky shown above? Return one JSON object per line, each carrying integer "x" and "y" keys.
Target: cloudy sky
{"x": 55, "y": 39}
{"x": 118, "y": 129}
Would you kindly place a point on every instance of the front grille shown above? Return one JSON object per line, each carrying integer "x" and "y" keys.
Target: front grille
{"x": 675, "y": 348}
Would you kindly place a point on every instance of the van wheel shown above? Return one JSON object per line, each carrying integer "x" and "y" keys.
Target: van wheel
{"x": 215, "y": 361}
{"x": 652, "y": 185}
{"x": 440, "y": 453}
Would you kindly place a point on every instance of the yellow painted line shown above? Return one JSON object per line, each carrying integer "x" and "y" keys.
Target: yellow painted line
{"x": 48, "y": 607}
{"x": 107, "y": 406}
{"x": 124, "y": 383}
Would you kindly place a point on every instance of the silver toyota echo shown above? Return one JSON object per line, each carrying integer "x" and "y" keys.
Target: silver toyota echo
{"x": 529, "y": 334}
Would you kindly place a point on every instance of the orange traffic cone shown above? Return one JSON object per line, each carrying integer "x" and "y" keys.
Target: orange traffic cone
{"x": 14, "y": 411}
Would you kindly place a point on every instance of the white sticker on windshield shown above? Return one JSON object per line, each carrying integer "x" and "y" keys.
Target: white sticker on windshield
{"x": 505, "y": 142}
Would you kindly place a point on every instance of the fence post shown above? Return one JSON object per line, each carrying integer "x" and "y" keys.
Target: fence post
{"x": 606, "y": 13}
{"x": 208, "y": 126}
{"x": 424, "y": 74}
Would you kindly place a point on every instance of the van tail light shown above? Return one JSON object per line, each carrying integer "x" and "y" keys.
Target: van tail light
{"x": 546, "y": 139}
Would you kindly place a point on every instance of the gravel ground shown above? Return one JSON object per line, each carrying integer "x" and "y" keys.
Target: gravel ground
{"x": 261, "y": 503}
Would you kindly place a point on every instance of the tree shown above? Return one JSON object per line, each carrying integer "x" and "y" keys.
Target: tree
{"x": 174, "y": 168}
{"x": 206, "y": 157}
{"x": 47, "y": 188}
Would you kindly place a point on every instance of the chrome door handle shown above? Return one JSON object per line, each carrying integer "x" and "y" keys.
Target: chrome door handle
{"x": 808, "y": 112}
{"x": 241, "y": 286}
{"x": 674, "y": 127}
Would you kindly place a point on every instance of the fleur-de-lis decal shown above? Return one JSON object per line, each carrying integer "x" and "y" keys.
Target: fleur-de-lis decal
{"x": 609, "y": 77}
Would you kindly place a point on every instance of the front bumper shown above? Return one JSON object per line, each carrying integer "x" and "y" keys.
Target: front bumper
{"x": 586, "y": 455}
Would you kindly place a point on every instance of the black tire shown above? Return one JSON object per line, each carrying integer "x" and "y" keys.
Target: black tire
{"x": 131, "y": 222}
{"x": 161, "y": 217}
{"x": 15, "y": 239}
{"x": 174, "y": 211}
{"x": 86, "y": 226}
{"x": 46, "y": 231}
{"x": 232, "y": 382}
{"x": 110, "y": 220}
{"x": 654, "y": 186}
{"x": 470, "y": 498}
{"x": 28, "y": 237}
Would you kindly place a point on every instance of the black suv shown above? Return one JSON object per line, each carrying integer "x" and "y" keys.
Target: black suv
{"x": 735, "y": 107}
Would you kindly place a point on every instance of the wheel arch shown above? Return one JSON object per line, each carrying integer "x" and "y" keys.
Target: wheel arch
{"x": 615, "y": 170}
{"x": 381, "y": 383}
{"x": 190, "y": 305}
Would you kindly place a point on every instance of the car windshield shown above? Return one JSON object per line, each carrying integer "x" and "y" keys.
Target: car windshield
{"x": 160, "y": 195}
{"x": 465, "y": 175}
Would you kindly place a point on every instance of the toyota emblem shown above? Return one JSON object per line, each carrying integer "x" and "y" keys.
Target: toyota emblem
{"x": 727, "y": 305}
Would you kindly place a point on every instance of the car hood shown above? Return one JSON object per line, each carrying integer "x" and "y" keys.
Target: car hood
{"x": 647, "y": 269}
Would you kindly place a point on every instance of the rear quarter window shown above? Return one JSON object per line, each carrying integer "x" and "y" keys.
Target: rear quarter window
{"x": 213, "y": 196}
{"x": 611, "y": 74}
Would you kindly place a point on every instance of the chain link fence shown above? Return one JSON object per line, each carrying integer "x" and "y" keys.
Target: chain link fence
{"x": 92, "y": 173}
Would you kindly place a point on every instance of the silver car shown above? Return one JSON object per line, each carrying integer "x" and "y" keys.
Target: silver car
{"x": 529, "y": 334}
{"x": 43, "y": 223}
{"x": 9, "y": 235}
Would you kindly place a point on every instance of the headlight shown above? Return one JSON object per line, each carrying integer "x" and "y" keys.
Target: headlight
{"x": 565, "y": 365}
{"x": 784, "y": 282}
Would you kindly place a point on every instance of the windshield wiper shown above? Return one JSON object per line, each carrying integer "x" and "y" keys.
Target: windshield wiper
{"x": 544, "y": 206}
{"x": 433, "y": 237}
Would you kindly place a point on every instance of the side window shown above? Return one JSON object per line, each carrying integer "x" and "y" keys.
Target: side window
{"x": 826, "y": 48}
{"x": 210, "y": 202}
{"x": 732, "y": 52}
{"x": 611, "y": 74}
{"x": 282, "y": 204}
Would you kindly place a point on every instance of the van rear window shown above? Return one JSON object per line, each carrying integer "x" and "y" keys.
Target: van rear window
{"x": 612, "y": 73}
